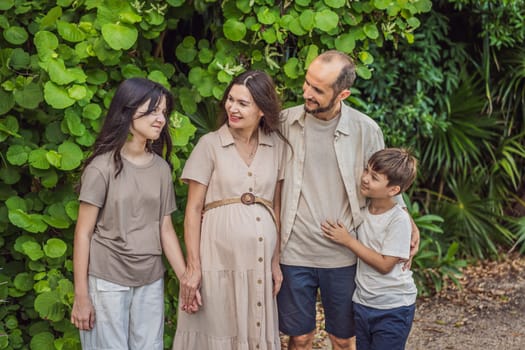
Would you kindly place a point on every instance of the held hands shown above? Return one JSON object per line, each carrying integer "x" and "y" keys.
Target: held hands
{"x": 191, "y": 299}
{"x": 337, "y": 232}
{"x": 83, "y": 313}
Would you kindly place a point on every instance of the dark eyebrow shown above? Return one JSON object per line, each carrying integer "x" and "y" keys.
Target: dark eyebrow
{"x": 239, "y": 99}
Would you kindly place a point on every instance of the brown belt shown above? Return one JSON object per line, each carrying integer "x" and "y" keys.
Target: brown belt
{"x": 246, "y": 199}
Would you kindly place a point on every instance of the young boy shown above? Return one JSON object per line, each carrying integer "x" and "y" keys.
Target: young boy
{"x": 385, "y": 295}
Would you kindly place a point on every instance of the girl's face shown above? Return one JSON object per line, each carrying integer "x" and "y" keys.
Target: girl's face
{"x": 242, "y": 111}
{"x": 149, "y": 126}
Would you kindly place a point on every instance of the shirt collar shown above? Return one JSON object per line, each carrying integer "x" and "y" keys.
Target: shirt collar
{"x": 344, "y": 122}
{"x": 226, "y": 137}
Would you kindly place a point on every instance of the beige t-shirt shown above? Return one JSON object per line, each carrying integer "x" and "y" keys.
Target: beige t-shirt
{"x": 126, "y": 247}
{"x": 322, "y": 197}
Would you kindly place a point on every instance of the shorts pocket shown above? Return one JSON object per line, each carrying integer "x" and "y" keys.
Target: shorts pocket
{"x": 106, "y": 286}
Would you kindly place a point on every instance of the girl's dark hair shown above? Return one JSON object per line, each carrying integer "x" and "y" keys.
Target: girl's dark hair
{"x": 130, "y": 95}
{"x": 262, "y": 88}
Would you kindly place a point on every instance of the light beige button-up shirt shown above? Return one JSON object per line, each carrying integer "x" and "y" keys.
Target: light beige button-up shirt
{"x": 356, "y": 138}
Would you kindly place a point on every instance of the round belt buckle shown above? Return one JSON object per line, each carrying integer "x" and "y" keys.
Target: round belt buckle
{"x": 247, "y": 198}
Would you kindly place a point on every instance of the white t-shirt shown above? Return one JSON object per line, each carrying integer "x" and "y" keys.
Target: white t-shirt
{"x": 388, "y": 234}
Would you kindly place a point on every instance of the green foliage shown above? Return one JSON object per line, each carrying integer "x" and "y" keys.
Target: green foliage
{"x": 60, "y": 64}
{"x": 412, "y": 84}
{"x": 432, "y": 266}
{"x": 502, "y": 22}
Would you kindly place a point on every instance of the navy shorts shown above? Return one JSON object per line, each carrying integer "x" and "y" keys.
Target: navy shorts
{"x": 298, "y": 295}
{"x": 383, "y": 329}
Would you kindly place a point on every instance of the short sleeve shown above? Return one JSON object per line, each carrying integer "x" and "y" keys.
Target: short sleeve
{"x": 169, "y": 204}
{"x": 200, "y": 164}
{"x": 93, "y": 188}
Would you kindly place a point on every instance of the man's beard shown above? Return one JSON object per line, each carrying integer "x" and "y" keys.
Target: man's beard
{"x": 318, "y": 110}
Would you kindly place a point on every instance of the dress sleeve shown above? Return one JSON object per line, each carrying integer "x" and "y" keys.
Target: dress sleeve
{"x": 200, "y": 164}
{"x": 281, "y": 154}
{"x": 94, "y": 185}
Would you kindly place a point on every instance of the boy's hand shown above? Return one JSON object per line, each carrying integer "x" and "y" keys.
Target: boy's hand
{"x": 337, "y": 232}
{"x": 414, "y": 246}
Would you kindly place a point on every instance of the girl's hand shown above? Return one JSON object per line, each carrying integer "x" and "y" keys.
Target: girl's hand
{"x": 83, "y": 313}
{"x": 190, "y": 283}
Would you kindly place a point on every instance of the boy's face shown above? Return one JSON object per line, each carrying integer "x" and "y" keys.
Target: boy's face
{"x": 375, "y": 185}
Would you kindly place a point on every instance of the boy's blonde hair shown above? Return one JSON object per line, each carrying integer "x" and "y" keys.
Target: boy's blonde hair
{"x": 397, "y": 164}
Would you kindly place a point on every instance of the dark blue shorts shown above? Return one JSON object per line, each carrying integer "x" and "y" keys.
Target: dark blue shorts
{"x": 383, "y": 329}
{"x": 297, "y": 297}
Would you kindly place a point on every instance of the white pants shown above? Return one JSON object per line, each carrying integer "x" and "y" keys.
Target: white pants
{"x": 126, "y": 318}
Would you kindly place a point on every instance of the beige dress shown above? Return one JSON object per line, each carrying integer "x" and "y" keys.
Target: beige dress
{"x": 237, "y": 243}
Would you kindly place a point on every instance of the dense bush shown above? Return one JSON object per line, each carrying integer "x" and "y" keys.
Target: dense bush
{"x": 60, "y": 64}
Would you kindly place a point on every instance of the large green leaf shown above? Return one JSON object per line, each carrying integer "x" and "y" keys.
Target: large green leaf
{"x": 16, "y": 35}
{"x": 182, "y": 130}
{"x": 23, "y": 281}
{"x": 55, "y": 248}
{"x": 234, "y": 29}
{"x": 7, "y": 101}
{"x": 29, "y": 222}
{"x": 267, "y": 15}
{"x": 57, "y": 96}
{"x": 9, "y": 175}
{"x": 186, "y": 51}
{"x": 19, "y": 59}
{"x": 43, "y": 341}
{"x": 326, "y": 20}
{"x": 58, "y": 72}
{"x": 92, "y": 111}
{"x": 72, "y": 155}
{"x": 17, "y": 154}
{"x": 33, "y": 250}
{"x": 119, "y": 36}
{"x": 292, "y": 68}
{"x": 371, "y": 30}
{"x": 8, "y": 127}
{"x": 46, "y": 43}
{"x": 37, "y": 159}
{"x": 51, "y": 18}
{"x": 335, "y": 3}
{"x": 29, "y": 97}
{"x": 71, "y": 208}
{"x": 70, "y": 32}
{"x": 307, "y": 19}
{"x": 345, "y": 43}
{"x": 49, "y": 306}
{"x": 4, "y": 6}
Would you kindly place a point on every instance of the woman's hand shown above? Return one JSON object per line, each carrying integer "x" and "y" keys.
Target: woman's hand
{"x": 83, "y": 313}
{"x": 190, "y": 295}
